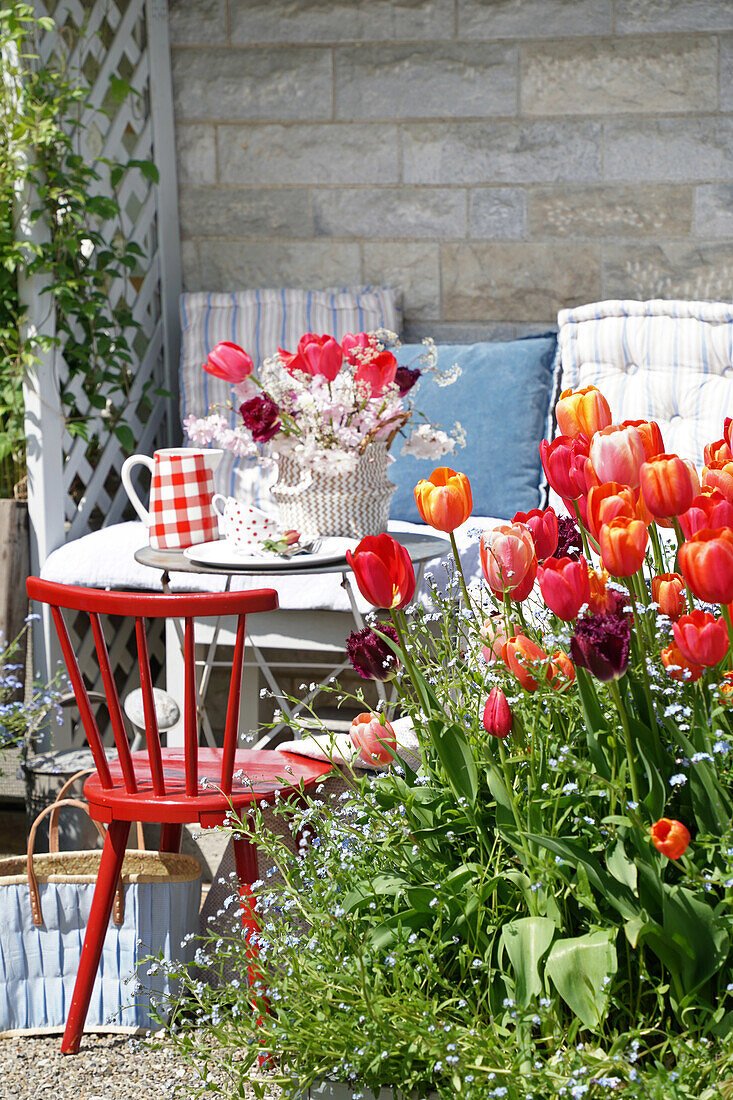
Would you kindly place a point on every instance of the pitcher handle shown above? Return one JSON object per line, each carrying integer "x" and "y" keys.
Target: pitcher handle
{"x": 125, "y": 474}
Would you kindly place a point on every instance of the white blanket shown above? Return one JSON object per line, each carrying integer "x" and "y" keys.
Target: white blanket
{"x": 669, "y": 361}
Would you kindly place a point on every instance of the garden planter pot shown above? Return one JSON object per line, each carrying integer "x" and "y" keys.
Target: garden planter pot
{"x": 347, "y": 503}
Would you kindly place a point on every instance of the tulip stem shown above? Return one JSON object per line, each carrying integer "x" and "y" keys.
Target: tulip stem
{"x": 456, "y": 555}
{"x": 616, "y": 694}
{"x": 680, "y": 540}
{"x": 583, "y": 535}
{"x": 657, "y": 547}
{"x": 726, "y": 615}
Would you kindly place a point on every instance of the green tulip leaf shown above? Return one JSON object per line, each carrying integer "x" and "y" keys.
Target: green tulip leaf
{"x": 456, "y": 757}
{"x": 526, "y": 940}
{"x": 580, "y": 970}
{"x": 621, "y": 867}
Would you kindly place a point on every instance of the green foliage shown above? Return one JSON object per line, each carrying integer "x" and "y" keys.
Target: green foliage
{"x": 81, "y": 257}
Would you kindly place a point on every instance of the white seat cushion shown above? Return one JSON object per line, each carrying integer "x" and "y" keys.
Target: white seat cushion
{"x": 669, "y": 361}
{"x": 260, "y": 321}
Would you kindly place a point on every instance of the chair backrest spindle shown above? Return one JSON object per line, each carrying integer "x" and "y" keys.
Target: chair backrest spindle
{"x": 113, "y": 705}
{"x": 152, "y": 735}
{"x": 85, "y": 708}
{"x": 231, "y": 728}
{"x": 190, "y": 720}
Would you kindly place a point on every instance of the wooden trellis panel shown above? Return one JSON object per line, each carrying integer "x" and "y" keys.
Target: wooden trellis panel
{"x": 74, "y": 486}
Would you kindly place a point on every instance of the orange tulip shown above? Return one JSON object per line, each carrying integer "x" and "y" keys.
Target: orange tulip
{"x": 606, "y": 502}
{"x": 530, "y": 664}
{"x": 623, "y": 543}
{"x": 651, "y": 436}
{"x": 508, "y": 560}
{"x": 582, "y": 412}
{"x": 383, "y": 571}
{"x": 598, "y": 601}
{"x": 444, "y": 500}
{"x": 668, "y": 593}
{"x": 728, "y": 431}
{"x": 719, "y": 475}
{"x": 668, "y": 485}
{"x": 706, "y": 563}
{"x": 617, "y": 454}
{"x": 670, "y": 837}
{"x": 719, "y": 451}
{"x": 678, "y": 667}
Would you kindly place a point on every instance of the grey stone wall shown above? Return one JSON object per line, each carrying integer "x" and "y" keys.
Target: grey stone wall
{"x": 495, "y": 159}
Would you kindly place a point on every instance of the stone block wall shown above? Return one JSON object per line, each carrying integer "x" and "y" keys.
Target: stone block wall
{"x": 495, "y": 159}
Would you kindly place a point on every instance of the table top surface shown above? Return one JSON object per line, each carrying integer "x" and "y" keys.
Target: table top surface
{"x": 421, "y": 548}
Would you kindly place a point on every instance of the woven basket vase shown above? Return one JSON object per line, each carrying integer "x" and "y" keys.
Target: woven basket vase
{"x": 347, "y": 504}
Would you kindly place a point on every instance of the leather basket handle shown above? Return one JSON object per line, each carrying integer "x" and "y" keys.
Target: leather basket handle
{"x": 119, "y": 903}
{"x": 53, "y": 837}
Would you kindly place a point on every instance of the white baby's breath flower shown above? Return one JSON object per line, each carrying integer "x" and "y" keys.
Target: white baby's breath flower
{"x": 428, "y": 442}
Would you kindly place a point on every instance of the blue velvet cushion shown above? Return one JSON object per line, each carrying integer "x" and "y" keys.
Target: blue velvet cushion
{"x": 501, "y": 399}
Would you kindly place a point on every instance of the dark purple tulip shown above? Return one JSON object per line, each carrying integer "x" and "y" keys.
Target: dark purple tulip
{"x": 261, "y": 416}
{"x": 569, "y": 542}
{"x": 406, "y": 379}
{"x": 370, "y": 655}
{"x": 601, "y": 644}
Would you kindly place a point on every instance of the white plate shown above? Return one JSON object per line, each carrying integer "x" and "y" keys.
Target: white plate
{"x": 223, "y": 553}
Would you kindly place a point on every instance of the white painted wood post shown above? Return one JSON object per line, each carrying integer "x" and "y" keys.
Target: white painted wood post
{"x": 169, "y": 243}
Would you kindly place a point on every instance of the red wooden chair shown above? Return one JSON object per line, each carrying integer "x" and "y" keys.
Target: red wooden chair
{"x": 168, "y": 786}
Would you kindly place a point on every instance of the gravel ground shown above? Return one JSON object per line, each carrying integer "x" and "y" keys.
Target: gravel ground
{"x": 108, "y": 1067}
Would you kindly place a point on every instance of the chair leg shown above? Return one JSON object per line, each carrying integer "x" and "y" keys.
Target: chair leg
{"x": 170, "y": 837}
{"x": 110, "y": 866}
{"x": 245, "y": 859}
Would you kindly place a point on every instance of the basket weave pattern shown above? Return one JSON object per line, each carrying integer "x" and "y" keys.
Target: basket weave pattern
{"x": 340, "y": 503}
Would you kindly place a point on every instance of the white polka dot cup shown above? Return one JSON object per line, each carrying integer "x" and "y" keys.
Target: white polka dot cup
{"x": 241, "y": 524}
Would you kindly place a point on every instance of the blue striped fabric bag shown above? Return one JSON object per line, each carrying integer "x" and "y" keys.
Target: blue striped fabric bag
{"x": 260, "y": 321}
{"x": 156, "y": 909}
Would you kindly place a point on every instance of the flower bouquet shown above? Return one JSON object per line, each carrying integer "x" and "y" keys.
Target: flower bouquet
{"x": 542, "y": 906}
{"x": 328, "y": 414}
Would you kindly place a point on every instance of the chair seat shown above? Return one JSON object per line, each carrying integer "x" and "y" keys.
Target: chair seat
{"x": 258, "y": 774}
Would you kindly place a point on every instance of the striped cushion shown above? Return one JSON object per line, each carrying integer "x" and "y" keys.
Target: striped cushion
{"x": 669, "y": 361}
{"x": 260, "y": 321}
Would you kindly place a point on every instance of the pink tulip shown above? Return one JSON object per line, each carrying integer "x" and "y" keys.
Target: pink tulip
{"x": 316, "y": 355}
{"x": 508, "y": 560}
{"x": 354, "y": 345}
{"x": 374, "y": 738}
{"x": 230, "y": 362}
{"x": 617, "y": 454}
{"x": 495, "y": 636}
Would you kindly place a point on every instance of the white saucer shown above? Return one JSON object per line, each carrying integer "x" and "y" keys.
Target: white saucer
{"x": 222, "y": 553}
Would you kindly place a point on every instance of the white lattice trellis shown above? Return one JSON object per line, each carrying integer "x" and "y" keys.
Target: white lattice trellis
{"x": 74, "y": 486}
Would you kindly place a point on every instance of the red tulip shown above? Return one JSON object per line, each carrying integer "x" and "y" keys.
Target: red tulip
{"x": 719, "y": 475}
{"x": 606, "y": 502}
{"x": 377, "y": 373}
{"x": 670, "y": 837}
{"x": 530, "y": 663}
{"x": 651, "y": 436}
{"x": 230, "y": 362}
{"x": 564, "y": 461}
{"x": 508, "y": 560}
{"x": 708, "y": 509}
{"x": 383, "y": 570}
{"x": 617, "y": 454}
{"x": 316, "y": 355}
{"x": 719, "y": 451}
{"x": 701, "y": 638}
{"x": 668, "y": 592}
{"x": 355, "y": 345}
{"x": 582, "y": 412}
{"x": 706, "y": 563}
{"x": 497, "y": 714}
{"x": 728, "y": 431}
{"x": 374, "y": 737}
{"x": 444, "y": 500}
{"x": 543, "y": 527}
{"x": 623, "y": 543}
{"x": 565, "y": 586}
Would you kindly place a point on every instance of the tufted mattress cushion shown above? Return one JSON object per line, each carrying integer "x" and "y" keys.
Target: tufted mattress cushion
{"x": 669, "y": 361}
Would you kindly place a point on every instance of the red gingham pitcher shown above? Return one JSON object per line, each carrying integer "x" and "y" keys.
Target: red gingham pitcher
{"x": 181, "y": 513}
